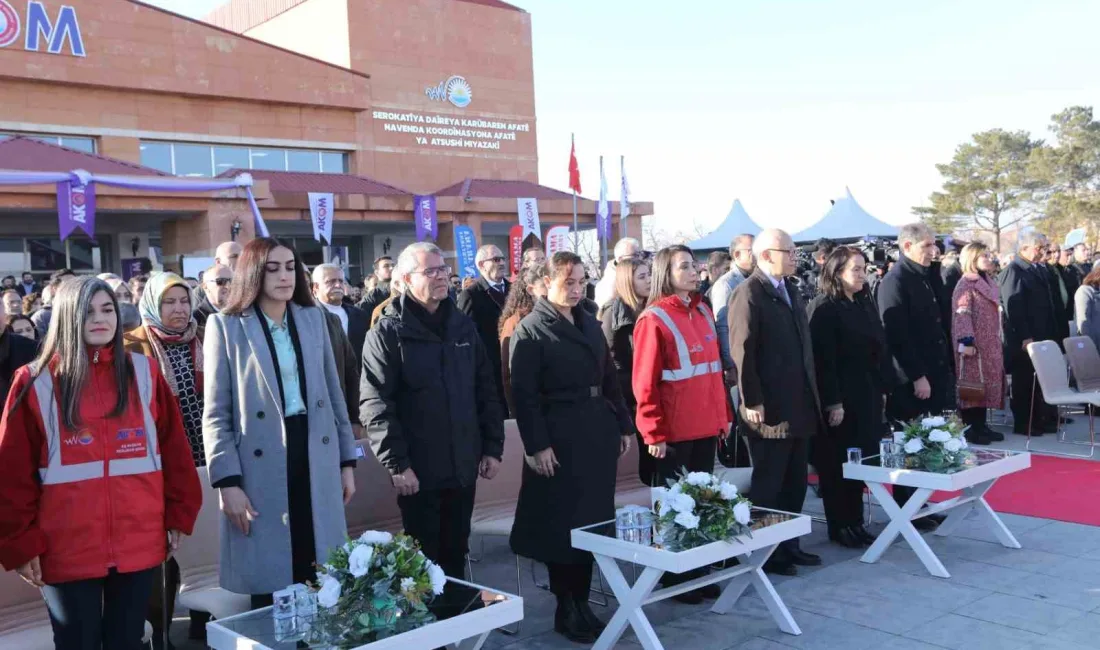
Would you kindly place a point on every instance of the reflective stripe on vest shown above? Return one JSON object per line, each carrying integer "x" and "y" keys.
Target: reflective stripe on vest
{"x": 687, "y": 370}
{"x": 55, "y": 472}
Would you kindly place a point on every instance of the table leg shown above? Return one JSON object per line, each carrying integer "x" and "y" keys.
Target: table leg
{"x": 756, "y": 577}
{"x": 630, "y": 605}
{"x": 978, "y": 492}
{"x": 901, "y": 524}
{"x": 473, "y": 643}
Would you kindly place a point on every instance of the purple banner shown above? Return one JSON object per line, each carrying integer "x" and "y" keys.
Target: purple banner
{"x": 76, "y": 207}
{"x": 426, "y": 221}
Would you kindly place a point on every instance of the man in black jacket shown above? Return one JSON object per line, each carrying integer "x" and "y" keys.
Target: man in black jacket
{"x": 910, "y": 300}
{"x": 484, "y": 301}
{"x": 1028, "y": 315}
{"x": 383, "y": 272}
{"x": 1082, "y": 260}
{"x": 213, "y": 294}
{"x": 429, "y": 404}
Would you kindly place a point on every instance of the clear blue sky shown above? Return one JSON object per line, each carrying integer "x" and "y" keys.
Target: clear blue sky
{"x": 782, "y": 103}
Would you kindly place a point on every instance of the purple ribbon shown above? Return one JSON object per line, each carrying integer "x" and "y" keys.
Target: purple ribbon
{"x": 427, "y": 222}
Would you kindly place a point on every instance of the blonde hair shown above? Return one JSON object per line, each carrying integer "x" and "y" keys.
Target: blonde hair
{"x": 968, "y": 260}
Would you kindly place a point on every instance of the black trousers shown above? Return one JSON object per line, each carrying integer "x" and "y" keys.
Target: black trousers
{"x": 1024, "y": 410}
{"x": 571, "y": 580}
{"x": 842, "y": 498}
{"x": 779, "y": 475}
{"x": 102, "y": 613}
{"x": 692, "y": 455}
{"x": 440, "y": 520}
{"x": 161, "y": 598}
{"x": 902, "y": 405}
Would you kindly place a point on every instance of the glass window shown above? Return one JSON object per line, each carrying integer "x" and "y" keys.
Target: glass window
{"x": 86, "y": 145}
{"x": 303, "y": 161}
{"x": 85, "y": 254}
{"x": 11, "y": 257}
{"x": 157, "y": 155}
{"x": 226, "y": 158}
{"x": 270, "y": 159}
{"x": 47, "y": 254}
{"x": 333, "y": 162}
{"x": 193, "y": 160}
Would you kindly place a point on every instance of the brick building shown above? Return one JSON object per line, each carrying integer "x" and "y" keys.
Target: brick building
{"x": 374, "y": 100}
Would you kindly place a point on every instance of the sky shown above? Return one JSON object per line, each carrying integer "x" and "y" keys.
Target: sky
{"x": 784, "y": 103}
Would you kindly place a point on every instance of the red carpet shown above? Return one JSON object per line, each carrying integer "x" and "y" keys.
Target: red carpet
{"x": 1065, "y": 489}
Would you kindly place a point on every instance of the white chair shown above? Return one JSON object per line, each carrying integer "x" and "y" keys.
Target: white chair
{"x": 1051, "y": 374}
{"x": 198, "y": 560}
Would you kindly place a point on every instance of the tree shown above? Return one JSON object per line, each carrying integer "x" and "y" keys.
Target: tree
{"x": 987, "y": 184}
{"x": 1069, "y": 172}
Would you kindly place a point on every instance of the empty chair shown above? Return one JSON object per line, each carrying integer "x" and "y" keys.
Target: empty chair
{"x": 1051, "y": 374}
{"x": 1084, "y": 360}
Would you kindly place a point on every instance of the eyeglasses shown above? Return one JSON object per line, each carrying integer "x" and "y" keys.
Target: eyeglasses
{"x": 437, "y": 271}
{"x": 495, "y": 260}
{"x": 785, "y": 251}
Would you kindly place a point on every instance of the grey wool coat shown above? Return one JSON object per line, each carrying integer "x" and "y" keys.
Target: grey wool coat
{"x": 244, "y": 436}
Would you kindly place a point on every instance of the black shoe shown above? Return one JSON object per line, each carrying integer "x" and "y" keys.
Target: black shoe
{"x": 597, "y": 626}
{"x": 692, "y": 597}
{"x": 845, "y": 537}
{"x": 925, "y": 524}
{"x": 978, "y": 437}
{"x": 865, "y": 536}
{"x": 778, "y": 568}
{"x": 197, "y": 631}
{"x": 710, "y": 592}
{"x": 570, "y": 623}
{"x": 802, "y": 558}
{"x": 997, "y": 436}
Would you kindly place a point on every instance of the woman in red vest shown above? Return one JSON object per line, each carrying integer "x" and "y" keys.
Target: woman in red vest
{"x": 682, "y": 405}
{"x": 98, "y": 482}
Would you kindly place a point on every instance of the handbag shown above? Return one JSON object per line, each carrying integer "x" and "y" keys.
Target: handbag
{"x": 733, "y": 451}
{"x": 971, "y": 391}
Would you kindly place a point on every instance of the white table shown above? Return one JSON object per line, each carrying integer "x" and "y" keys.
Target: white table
{"x": 770, "y": 528}
{"x": 464, "y": 631}
{"x": 974, "y": 482}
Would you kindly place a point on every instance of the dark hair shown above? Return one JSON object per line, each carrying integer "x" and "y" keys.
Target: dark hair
{"x": 10, "y": 277}
{"x": 716, "y": 259}
{"x": 1093, "y": 278}
{"x": 29, "y": 300}
{"x": 561, "y": 263}
{"x": 519, "y": 301}
{"x": 825, "y": 245}
{"x": 141, "y": 277}
{"x": 248, "y": 278}
{"x": 662, "y": 272}
{"x": 14, "y": 317}
{"x": 829, "y": 282}
{"x": 379, "y": 260}
{"x": 26, "y": 273}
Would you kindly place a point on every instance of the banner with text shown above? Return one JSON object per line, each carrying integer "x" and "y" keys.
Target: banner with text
{"x": 76, "y": 206}
{"x": 515, "y": 247}
{"x": 320, "y": 212}
{"x": 426, "y": 221}
{"x": 529, "y": 217}
{"x": 466, "y": 251}
{"x": 557, "y": 240}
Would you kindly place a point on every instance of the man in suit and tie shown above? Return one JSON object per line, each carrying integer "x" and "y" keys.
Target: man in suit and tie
{"x": 484, "y": 301}
{"x": 770, "y": 346}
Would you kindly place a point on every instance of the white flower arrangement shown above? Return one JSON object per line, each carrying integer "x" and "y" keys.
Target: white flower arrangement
{"x": 934, "y": 443}
{"x": 698, "y": 509}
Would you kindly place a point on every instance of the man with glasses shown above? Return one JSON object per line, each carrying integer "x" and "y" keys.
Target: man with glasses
{"x": 215, "y": 292}
{"x": 428, "y": 401}
{"x": 484, "y": 301}
{"x": 722, "y": 291}
{"x": 625, "y": 248}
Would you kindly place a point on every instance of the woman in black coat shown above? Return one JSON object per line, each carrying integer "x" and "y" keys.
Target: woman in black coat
{"x": 852, "y": 363}
{"x": 617, "y": 318}
{"x": 574, "y": 425}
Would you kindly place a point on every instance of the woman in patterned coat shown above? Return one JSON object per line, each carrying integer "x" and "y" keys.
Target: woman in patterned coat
{"x": 976, "y": 338}
{"x": 170, "y": 334}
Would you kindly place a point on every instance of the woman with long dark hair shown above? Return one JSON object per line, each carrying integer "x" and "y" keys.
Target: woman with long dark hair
{"x": 852, "y": 365}
{"x": 98, "y": 481}
{"x": 279, "y": 444}
{"x": 617, "y": 318}
{"x": 682, "y": 405}
{"x": 522, "y": 295}
{"x": 574, "y": 426}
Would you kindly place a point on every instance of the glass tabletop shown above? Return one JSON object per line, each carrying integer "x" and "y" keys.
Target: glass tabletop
{"x": 978, "y": 457}
{"x": 458, "y": 598}
{"x": 761, "y": 518}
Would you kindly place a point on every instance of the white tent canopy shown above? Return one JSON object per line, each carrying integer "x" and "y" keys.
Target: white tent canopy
{"x": 738, "y": 222}
{"x": 846, "y": 220}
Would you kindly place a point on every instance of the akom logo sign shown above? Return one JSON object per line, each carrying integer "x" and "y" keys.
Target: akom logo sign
{"x": 41, "y": 32}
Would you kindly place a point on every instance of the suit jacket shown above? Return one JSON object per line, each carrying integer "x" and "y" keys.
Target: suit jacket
{"x": 911, "y": 303}
{"x": 1028, "y": 308}
{"x": 244, "y": 435}
{"x": 358, "y": 324}
{"x": 771, "y": 349}
{"x": 484, "y": 307}
{"x": 347, "y": 363}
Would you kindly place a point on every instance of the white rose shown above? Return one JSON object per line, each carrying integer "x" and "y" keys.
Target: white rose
{"x": 438, "y": 578}
{"x": 962, "y": 443}
{"x": 676, "y": 488}
{"x": 698, "y": 479}
{"x": 933, "y": 422}
{"x": 359, "y": 560}
{"x": 683, "y": 503}
{"x": 727, "y": 490}
{"x": 899, "y": 437}
{"x": 742, "y": 512}
{"x": 939, "y": 435}
{"x": 687, "y": 520}
{"x": 952, "y": 445}
{"x": 408, "y": 584}
{"x": 329, "y": 594}
{"x": 914, "y": 446}
{"x": 376, "y": 537}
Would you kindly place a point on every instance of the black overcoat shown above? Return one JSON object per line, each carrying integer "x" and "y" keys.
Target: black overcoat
{"x": 911, "y": 304}
{"x": 483, "y": 306}
{"x": 567, "y": 397}
{"x": 1027, "y": 308}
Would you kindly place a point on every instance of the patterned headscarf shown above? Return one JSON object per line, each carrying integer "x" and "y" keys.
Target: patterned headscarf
{"x": 159, "y": 335}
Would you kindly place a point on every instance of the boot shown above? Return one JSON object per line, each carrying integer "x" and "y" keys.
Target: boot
{"x": 570, "y": 623}
{"x": 589, "y": 616}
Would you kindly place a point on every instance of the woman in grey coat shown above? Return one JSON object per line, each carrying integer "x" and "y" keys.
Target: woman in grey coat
{"x": 278, "y": 442}
{"x": 1086, "y": 307}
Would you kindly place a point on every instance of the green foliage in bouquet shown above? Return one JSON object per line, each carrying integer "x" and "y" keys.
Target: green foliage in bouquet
{"x": 374, "y": 587}
{"x": 699, "y": 509}
{"x": 935, "y": 444}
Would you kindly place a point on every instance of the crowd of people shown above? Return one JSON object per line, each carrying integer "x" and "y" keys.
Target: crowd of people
{"x": 266, "y": 373}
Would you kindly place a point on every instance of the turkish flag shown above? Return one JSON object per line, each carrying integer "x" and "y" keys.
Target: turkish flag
{"x": 574, "y": 170}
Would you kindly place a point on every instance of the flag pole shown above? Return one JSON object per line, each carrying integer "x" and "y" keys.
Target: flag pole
{"x": 622, "y": 200}
{"x": 576, "y": 242}
{"x": 606, "y": 234}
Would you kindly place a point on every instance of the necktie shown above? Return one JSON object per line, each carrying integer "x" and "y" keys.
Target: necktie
{"x": 782, "y": 289}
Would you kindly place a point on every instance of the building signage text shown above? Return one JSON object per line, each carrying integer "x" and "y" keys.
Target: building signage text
{"x": 451, "y": 132}
{"x": 40, "y": 32}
